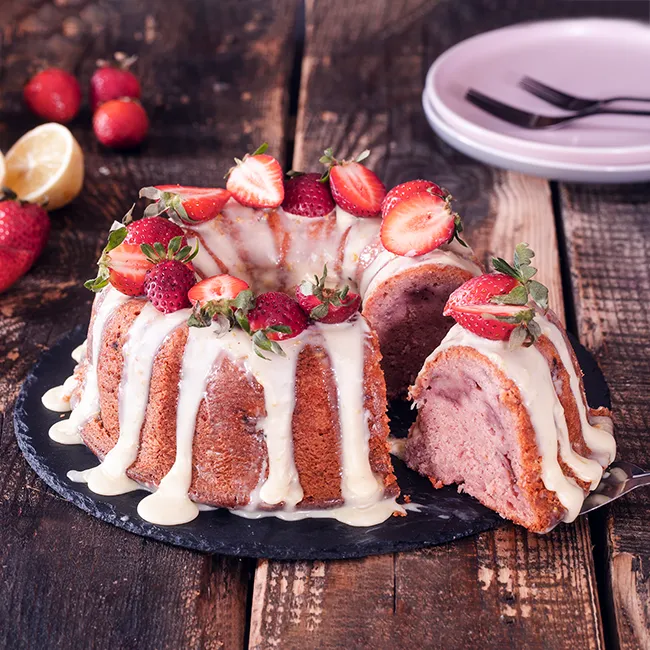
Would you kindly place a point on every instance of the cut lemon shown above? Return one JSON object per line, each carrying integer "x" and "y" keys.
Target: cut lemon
{"x": 46, "y": 164}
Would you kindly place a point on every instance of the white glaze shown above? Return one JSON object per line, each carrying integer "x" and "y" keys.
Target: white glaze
{"x": 79, "y": 352}
{"x": 68, "y": 431}
{"x": 529, "y": 370}
{"x": 170, "y": 504}
{"x": 145, "y": 337}
{"x": 597, "y": 430}
{"x": 242, "y": 239}
{"x": 345, "y": 344}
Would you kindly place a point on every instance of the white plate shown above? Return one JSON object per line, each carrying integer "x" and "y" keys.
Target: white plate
{"x": 571, "y": 172}
{"x": 590, "y": 57}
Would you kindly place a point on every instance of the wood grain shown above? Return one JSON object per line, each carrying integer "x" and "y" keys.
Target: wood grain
{"x": 215, "y": 79}
{"x": 362, "y": 77}
{"x": 607, "y": 234}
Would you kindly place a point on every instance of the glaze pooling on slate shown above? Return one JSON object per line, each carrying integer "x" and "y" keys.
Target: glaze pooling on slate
{"x": 444, "y": 514}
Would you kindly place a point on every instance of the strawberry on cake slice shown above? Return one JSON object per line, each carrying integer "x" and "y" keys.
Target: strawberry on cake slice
{"x": 501, "y": 406}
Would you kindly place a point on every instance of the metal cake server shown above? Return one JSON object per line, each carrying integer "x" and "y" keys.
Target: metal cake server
{"x": 619, "y": 478}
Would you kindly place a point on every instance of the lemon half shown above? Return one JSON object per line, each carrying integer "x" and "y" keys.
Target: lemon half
{"x": 46, "y": 164}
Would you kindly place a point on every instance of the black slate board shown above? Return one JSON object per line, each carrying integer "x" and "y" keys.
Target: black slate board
{"x": 444, "y": 514}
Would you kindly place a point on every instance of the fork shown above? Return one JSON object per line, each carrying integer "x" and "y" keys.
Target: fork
{"x": 569, "y": 102}
{"x": 619, "y": 478}
{"x": 530, "y": 120}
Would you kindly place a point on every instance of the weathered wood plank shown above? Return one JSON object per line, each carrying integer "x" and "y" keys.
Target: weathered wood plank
{"x": 362, "y": 79}
{"x": 215, "y": 78}
{"x": 607, "y": 234}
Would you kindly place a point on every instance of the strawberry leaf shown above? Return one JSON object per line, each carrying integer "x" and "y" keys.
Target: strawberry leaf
{"x": 115, "y": 238}
{"x": 502, "y": 266}
{"x": 320, "y": 311}
{"x": 539, "y": 293}
{"x": 518, "y": 296}
{"x": 517, "y": 337}
{"x": 523, "y": 255}
{"x": 261, "y": 149}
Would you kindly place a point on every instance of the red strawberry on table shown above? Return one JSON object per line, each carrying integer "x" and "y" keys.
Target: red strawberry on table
{"x": 121, "y": 123}
{"x": 307, "y": 195}
{"x": 419, "y": 224}
{"x": 23, "y": 225}
{"x": 218, "y": 287}
{"x": 256, "y": 180}
{"x": 405, "y": 190}
{"x": 327, "y": 305}
{"x": 54, "y": 95}
{"x": 112, "y": 82}
{"x": 189, "y": 204}
{"x": 354, "y": 187}
{"x": 14, "y": 263}
{"x": 123, "y": 263}
{"x": 501, "y": 306}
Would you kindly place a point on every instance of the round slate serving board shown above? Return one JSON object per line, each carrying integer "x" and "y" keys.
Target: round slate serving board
{"x": 444, "y": 515}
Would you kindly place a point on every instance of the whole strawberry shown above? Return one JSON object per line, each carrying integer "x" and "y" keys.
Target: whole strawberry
{"x": 166, "y": 285}
{"x": 354, "y": 187}
{"x": 24, "y": 226}
{"x": 121, "y": 123}
{"x": 168, "y": 282}
{"x": 306, "y": 195}
{"x": 405, "y": 190}
{"x": 123, "y": 263}
{"x": 54, "y": 95}
{"x": 275, "y": 310}
{"x": 113, "y": 81}
{"x": 501, "y": 306}
{"x": 14, "y": 263}
{"x": 327, "y": 305}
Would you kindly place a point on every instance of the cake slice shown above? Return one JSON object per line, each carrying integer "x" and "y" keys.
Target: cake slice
{"x": 501, "y": 405}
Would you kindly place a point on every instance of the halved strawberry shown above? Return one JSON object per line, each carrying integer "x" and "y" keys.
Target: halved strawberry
{"x": 189, "y": 204}
{"x": 501, "y": 306}
{"x": 354, "y": 187}
{"x": 419, "y": 224}
{"x": 123, "y": 263}
{"x": 327, "y": 305}
{"x": 218, "y": 287}
{"x": 404, "y": 190}
{"x": 256, "y": 181}
{"x": 127, "y": 268}
{"x": 307, "y": 195}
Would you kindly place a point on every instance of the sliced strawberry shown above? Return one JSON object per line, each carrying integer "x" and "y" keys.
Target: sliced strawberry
{"x": 189, "y": 204}
{"x": 307, "y": 196}
{"x": 354, "y": 187}
{"x": 256, "y": 181}
{"x": 404, "y": 190}
{"x": 277, "y": 310}
{"x": 327, "y": 305}
{"x": 418, "y": 225}
{"x": 14, "y": 263}
{"x": 127, "y": 269}
{"x": 218, "y": 287}
{"x": 501, "y": 306}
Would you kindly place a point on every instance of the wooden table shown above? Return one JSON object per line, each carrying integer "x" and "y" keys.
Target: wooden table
{"x": 219, "y": 77}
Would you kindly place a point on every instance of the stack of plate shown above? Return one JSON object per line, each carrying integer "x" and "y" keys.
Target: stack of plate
{"x": 593, "y": 58}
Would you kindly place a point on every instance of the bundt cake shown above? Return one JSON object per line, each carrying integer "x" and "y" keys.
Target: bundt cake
{"x": 501, "y": 404}
{"x": 206, "y": 394}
